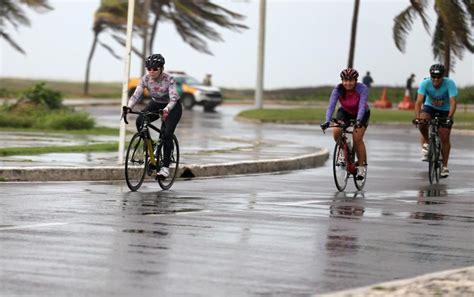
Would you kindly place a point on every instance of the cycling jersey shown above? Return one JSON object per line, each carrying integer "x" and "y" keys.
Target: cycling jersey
{"x": 438, "y": 98}
{"x": 161, "y": 91}
{"x": 353, "y": 102}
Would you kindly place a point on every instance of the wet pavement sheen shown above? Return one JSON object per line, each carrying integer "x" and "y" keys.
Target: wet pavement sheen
{"x": 282, "y": 234}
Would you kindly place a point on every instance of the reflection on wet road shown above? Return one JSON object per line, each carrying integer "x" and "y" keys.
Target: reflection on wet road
{"x": 281, "y": 234}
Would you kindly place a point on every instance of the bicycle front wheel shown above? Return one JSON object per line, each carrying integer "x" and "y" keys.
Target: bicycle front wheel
{"x": 136, "y": 162}
{"x": 434, "y": 165}
{"x": 339, "y": 166}
{"x": 166, "y": 183}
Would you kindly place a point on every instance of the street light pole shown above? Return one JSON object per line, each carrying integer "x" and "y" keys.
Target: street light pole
{"x": 128, "y": 50}
{"x": 261, "y": 56}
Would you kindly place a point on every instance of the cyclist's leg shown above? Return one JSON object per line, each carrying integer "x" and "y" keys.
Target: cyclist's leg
{"x": 341, "y": 115}
{"x": 171, "y": 123}
{"x": 425, "y": 114}
{"x": 153, "y": 107}
{"x": 445, "y": 137}
{"x": 358, "y": 139}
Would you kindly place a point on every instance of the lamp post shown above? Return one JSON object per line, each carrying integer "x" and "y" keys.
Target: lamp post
{"x": 126, "y": 74}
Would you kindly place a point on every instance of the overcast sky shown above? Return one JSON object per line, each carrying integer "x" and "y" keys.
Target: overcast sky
{"x": 307, "y": 44}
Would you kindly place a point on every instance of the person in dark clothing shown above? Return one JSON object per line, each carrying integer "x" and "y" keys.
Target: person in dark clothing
{"x": 367, "y": 80}
{"x": 409, "y": 86}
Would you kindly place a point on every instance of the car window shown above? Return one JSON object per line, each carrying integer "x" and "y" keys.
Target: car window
{"x": 192, "y": 81}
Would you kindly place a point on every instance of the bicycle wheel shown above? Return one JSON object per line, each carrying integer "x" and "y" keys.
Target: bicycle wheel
{"x": 136, "y": 162}
{"x": 359, "y": 183}
{"x": 434, "y": 166}
{"x": 166, "y": 183}
{"x": 339, "y": 166}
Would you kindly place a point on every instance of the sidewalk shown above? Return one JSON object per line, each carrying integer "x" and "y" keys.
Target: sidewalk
{"x": 456, "y": 282}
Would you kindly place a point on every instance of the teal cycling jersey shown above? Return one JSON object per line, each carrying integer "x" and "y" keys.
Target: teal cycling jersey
{"x": 438, "y": 98}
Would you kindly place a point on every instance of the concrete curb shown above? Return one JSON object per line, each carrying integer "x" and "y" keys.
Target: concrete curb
{"x": 186, "y": 171}
{"x": 424, "y": 285}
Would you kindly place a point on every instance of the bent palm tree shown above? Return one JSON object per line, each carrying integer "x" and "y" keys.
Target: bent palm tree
{"x": 11, "y": 12}
{"x": 112, "y": 14}
{"x": 452, "y": 34}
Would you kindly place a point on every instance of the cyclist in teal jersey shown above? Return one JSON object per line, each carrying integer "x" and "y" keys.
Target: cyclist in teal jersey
{"x": 437, "y": 97}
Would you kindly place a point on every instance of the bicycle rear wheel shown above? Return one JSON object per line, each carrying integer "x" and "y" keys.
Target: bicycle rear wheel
{"x": 166, "y": 183}
{"x": 339, "y": 166}
{"x": 136, "y": 162}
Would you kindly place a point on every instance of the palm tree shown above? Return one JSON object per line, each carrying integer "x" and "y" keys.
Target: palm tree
{"x": 350, "y": 63}
{"x": 452, "y": 33}
{"x": 111, "y": 14}
{"x": 193, "y": 20}
{"x": 12, "y": 12}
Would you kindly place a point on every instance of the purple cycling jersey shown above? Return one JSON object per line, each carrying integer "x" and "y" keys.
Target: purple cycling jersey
{"x": 161, "y": 91}
{"x": 354, "y": 102}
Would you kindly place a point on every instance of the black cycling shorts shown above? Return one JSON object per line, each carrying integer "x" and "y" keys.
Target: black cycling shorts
{"x": 343, "y": 115}
{"x": 433, "y": 112}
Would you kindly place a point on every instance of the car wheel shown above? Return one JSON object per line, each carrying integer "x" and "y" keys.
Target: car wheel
{"x": 209, "y": 108}
{"x": 188, "y": 101}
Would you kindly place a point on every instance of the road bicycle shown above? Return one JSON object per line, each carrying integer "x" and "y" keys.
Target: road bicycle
{"x": 435, "y": 162}
{"x": 144, "y": 156}
{"x": 343, "y": 165}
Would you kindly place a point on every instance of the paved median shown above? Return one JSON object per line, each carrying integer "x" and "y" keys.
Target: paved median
{"x": 306, "y": 161}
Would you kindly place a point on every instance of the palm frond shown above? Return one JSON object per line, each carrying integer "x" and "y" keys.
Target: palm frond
{"x": 402, "y": 26}
{"x": 110, "y": 50}
{"x": 12, "y": 42}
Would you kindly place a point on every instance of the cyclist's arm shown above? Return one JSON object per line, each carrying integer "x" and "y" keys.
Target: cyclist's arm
{"x": 418, "y": 104}
{"x": 453, "y": 92}
{"x": 363, "y": 98}
{"x": 452, "y": 106}
{"x": 332, "y": 104}
{"x": 138, "y": 94}
{"x": 173, "y": 93}
{"x": 420, "y": 97}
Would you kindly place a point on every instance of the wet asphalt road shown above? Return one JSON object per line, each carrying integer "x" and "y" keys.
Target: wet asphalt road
{"x": 287, "y": 234}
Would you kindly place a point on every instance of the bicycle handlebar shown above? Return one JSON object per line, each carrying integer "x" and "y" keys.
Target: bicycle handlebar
{"x": 144, "y": 113}
{"x": 435, "y": 121}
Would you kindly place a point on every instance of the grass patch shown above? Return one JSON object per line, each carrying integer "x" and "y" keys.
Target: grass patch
{"x": 93, "y": 131}
{"x": 462, "y": 120}
{"x": 99, "y": 147}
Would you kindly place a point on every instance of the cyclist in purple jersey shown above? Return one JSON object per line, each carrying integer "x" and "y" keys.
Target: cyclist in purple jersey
{"x": 437, "y": 98}
{"x": 162, "y": 89}
{"x": 352, "y": 97}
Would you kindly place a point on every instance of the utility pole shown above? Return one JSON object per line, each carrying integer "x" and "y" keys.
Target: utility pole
{"x": 126, "y": 74}
{"x": 260, "y": 56}
{"x": 146, "y": 12}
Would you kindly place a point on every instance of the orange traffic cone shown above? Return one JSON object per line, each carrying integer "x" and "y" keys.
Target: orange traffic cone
{"x": 383, "y": 102}
{"x": 407, "y": 103}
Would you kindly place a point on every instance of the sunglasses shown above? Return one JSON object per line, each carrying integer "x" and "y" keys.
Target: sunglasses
{"x": 153, "y": 69}
{"x": 348, "y": 78}
{"x": 436, "y": 77}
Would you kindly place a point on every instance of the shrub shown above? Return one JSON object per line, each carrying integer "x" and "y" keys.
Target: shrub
{"x": 40, "y": 95}
{"x": 65, "y": 120}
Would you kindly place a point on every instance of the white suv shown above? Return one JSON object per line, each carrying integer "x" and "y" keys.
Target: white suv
{"x": 193, "y": 92}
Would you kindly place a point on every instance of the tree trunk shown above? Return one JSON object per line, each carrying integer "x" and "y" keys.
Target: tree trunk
{"x": 89, "y": 60}
{"x": 447, "y": 58}
{"x": 355, "y": 15}
{"x": 154, "y": 30}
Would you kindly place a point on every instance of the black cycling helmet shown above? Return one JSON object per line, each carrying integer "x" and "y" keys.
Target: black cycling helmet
{"x": 437, "y": 70}
{"x": 349, "y": 73}
{"x": 155, "y": 61}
